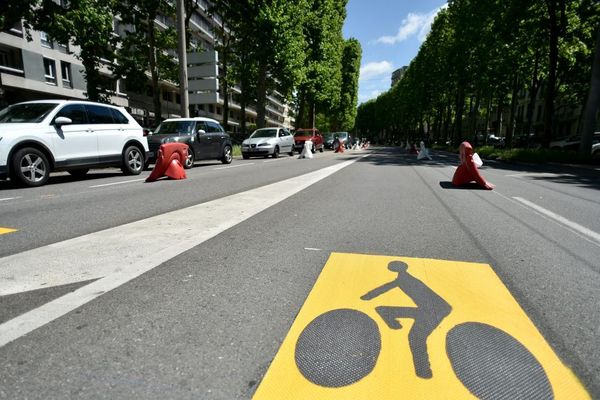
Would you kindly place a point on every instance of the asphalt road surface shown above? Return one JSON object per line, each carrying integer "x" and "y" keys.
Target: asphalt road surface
{"x": 115, "y": 288}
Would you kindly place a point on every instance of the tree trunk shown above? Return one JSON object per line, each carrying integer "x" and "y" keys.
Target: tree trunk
{"x": 301, "y": 111}
{"x": 460, "y": 104}
{"x": 154, "y": 72}
{"x": 91, "y": 78}
{"x": 487, "y": 119}
{"x": 261, "y": 95}
{"x": 474, "y": 115}
{"x": 592, "y": 105}
{"x": 513, "y": 105}
{"x": 225, "y": 88}
{"x": 551, "y": 80}
{"x": 447, "y": 121}
{"x": 311, "y": 113}
{"x": 533, "y": 89}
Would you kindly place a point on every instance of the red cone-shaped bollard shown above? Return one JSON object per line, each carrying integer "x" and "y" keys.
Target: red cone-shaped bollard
{"x": 175, "y": 170}
{"x": 467, "y": 170}
{"x": 169, "y": 162}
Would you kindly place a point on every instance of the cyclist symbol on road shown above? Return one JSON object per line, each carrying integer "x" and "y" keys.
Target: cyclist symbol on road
{"x": 431, "y": 309}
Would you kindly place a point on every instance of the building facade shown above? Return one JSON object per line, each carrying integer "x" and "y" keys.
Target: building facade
{"x": 41, "y": 68}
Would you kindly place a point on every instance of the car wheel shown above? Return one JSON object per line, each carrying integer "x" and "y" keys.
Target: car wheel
{"x": 133, "y": 161}
{"x": 31, "y": 167}
{"x": 291, "y": 152}
{"x": 78, "y": 173}
{"x": 321, "y": 149}
{"x": 227, "y": 155}
{"x": 276, "y": 152}
{"x": 314, "y": 149}
{"x": 189, "y": 160}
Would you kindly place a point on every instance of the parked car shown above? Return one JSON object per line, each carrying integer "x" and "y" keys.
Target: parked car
{"x": 205, "y": 137}
{"x": 328, "y": 139}
{"x": 303, "y": 134}
{"x": 596, "y": 150}
{"x": 38, "y": 137}
{"x": 268, "y": 142}
{"x": 572, "y": 142}
{"x": 342, "y": 137}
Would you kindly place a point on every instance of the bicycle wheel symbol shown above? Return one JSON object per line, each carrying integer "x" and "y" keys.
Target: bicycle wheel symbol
{"x": 341, "y": 347}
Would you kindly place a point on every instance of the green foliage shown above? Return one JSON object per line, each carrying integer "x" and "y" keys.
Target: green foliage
{"x": 146, "y": 48}
{"x": 344, "y": 116}
{"x": 533, "y": 156}
{"x": 87, "y": 24}
{"x": 478, "y": 55}
{"x": 320, "y": 89}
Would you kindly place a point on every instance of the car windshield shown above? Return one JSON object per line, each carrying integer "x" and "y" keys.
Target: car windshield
{"x": 175, "y": 127}
{"x": 264, "y": 133}
{"x": 26, "y": 113}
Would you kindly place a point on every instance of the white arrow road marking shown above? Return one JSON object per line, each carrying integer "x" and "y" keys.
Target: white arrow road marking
{"x": 120, "y": 254}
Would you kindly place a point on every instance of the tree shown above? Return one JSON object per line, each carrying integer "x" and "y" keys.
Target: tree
{"x": 345, "y": 115}
{"x": 89, "y": 25}
{"x": 146, "y": 46}
{"x": 319, "y": 89}
{"x": 592, "y": 104}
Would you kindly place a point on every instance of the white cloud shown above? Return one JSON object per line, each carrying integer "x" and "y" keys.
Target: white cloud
{"x": 375, "y": 69}
{"x": 415, "y": 24}
{"x": 363, "y": 97}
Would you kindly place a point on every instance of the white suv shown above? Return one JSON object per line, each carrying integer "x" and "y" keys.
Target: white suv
{"x": 38, "y": 137}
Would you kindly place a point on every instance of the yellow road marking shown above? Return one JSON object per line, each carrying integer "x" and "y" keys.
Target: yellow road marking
{"x": 6, "y": 230}
{"x": 475, "y": 294}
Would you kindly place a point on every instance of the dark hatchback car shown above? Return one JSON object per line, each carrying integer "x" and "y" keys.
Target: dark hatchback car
{"x": 205, "y": 137}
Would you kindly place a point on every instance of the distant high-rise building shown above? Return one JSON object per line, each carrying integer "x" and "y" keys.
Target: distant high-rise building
{"x": 398, "y": 74}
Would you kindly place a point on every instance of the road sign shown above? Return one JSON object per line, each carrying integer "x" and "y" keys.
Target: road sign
{"x": 376, "y": 327}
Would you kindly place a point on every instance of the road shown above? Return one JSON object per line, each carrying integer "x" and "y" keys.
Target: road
{"x": 114, "y": 288}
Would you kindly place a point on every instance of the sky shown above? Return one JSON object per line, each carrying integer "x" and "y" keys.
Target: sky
{"x": 390, "y": 33}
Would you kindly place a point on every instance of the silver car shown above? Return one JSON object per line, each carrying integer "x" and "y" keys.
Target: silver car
{"x": 268, "y": 142}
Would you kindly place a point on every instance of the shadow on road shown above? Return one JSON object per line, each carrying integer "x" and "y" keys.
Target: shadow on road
{"x": 582, "y": 176}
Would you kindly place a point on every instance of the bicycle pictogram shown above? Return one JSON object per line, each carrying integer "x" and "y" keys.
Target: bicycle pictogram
{"x": 340, "y": 347}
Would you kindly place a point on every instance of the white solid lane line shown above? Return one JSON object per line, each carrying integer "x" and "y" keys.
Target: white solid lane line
{"x": 562, "y": 220}
{"x": 117, "y": 183}
{"x": 235, "y": 166}
{"x": 120, "y": 254}
{"x": 10, "y": 198}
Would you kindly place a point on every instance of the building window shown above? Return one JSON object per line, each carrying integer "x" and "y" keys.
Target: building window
{"x": 178, "y": 98}
{"x": 17, "y": 29}
{"x": 166, "y": 95}
{"x": 50, "y": 71}
{"x": 65, "y": 69}
{"x": 46, "y": 42}
{"x": 63, "y": 47}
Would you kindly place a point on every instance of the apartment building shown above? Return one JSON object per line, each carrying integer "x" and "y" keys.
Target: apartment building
{"x": 42, "y": 69}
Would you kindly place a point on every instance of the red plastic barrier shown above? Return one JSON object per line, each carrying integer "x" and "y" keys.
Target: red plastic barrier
{"x": 169, "y": 162}
{"x": 467, "y": 170}
{"x": 340, "y": 148}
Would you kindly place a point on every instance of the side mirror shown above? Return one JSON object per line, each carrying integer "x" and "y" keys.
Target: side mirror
{"x": 201, "y": 131}
{"x": 60, "y": 121}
